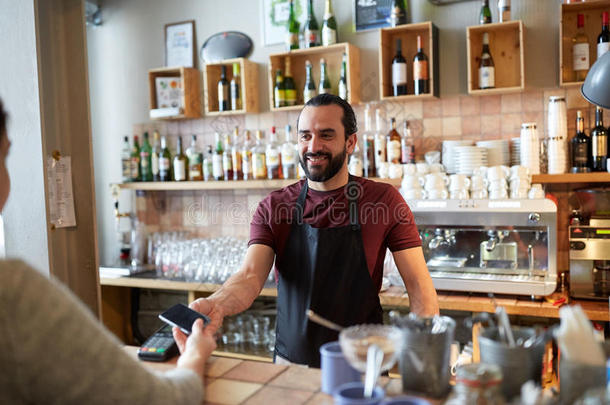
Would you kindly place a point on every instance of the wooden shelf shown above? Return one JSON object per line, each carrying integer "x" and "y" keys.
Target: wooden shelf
{"x": 249, "y": 86}
{"x": 191, "y": 91}
{"x": 408, "y": 33}
{"x": 506, "y": 45}
{"x": 333, "y": 55}
{"x": 597, "y": 177}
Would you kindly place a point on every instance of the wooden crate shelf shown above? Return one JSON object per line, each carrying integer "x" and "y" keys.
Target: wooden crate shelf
{"x": 333, "y": 55}
{"x": 596, "y": 177}
{"x": 506, "y": 43}
{"x": 387, "y": 49}
{"x": 592, "y": 10}
{"x": 191, "y": 92}
{"x": 249, "y": 86}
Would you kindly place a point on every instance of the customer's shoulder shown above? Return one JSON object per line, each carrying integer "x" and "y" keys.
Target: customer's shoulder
{"x": 15, "y": 273}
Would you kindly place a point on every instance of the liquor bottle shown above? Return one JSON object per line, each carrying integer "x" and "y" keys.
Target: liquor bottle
{"x": 181, "y": 162}
{"x": 309, "y": 91}
{"x": 217, "y": 170}
{"x": 273, "y": 157}
{"x": 354, "y": 165}
{"x": 399, "y": 71}
{"x": 236, "y": 101}
{"x": 311, "y": 28}
{"x": 324, "y": 82}
{"x": 393, "y": 143}
{"x": 259, "y": 164}
{"x": 290, "y": 89}
{"x": 195, "y": 159}
{"x": 398, "y": 14}
{"x": 135, "y": 160}
{"x": 485, "y": 15}
{"x": 421, "y": 81}
{"x": 292, "y": 30}
{"x": 246, "y": 156}
{"x": 165, "y": 159}
{"x": 145, "y": 159}
{"x": 329, "y": 27}
{"x": 368, "y": 145}
{"x": 599, "y": 143}
{"x": 223, "y": 90}
{"x": 603, "y": 39}
{"x": 126, "y": 160}
{"x": 580, "y": 50}
{"x": 288, "y": 156}
{"x": 278, "y": 91}
{"x": 227, "y": 159}
{"x": 407, "y": 146}
{"x": 208, "y": 166}
{"x": 504, "y": 10}
{"x": 154, "y": 157}
{"x": 380, "y": 141}
{"x": 580, "y": 147}
{"x": 487, "y": 70}
{"x": 343, "y": 80}
{"x": 236, "y": 159}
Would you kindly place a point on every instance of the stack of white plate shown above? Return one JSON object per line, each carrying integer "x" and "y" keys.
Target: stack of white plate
{"x": 515, "y": 151}
{"x": 448, "y": 155}
{"x": 498, "y": 152}
{"x": 469, "y": 158}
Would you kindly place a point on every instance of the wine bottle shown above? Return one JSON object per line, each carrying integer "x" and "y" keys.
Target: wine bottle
{"x": 504, "y": 10}
{"x": 154, "y": 157}
{"x": 208, "y": 166}
{"x": 217, "y": 170}
{"x": 368, "y": 145}
{"x": 223, "y": 90}
{"x": 599, "y": 143}
{"x": 278, "y": 91}
{"x": 329, "y": 27}
{"x": 273, "y": 158}
{"x": 354, "y": 165}
{"x": 309, "y": 91}
{"x": 580, "y": 50}
{"x": 393, "y": 143}
{"x": 487, "y": 70}
{"x": 380, "y": 141}
{"x": 195, "y": 159}
{"x": 259, "y": 164}
{"x": 145, "y": 159}
{"x": 126, "y": 160}
{"x": 580, "y": 147}
{"x": 227, "y": 159}
{"x": 180, "y": 163}
{"x": 165, "y": 159}
{"x": 603, "y": 39}
{"x": 246, "y": 156}
{"x": 288, "y": 156}
{"x": 292, "y": 29}
{"x": 311, "y": 31}
{"x": 236, "y": 102}
{"x": 485, "y": 15}
{"x": 399, "y": 71}
{"x": 407, "y": 146}
{"x": 324, "y": 81}
{"x": 421, "y": 81}
{"x": 343, "y": 79}
{"x": 236, "y": 159}
{"x": 398, "y": 13}
{"x": 290, "y": 89}
{"x": 135, "y": 160}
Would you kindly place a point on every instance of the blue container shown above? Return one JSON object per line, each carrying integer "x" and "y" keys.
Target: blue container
{"x": 353, "y": 394}
{"x": 335, "y": 369}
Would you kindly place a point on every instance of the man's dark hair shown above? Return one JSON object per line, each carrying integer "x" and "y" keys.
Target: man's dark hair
{"x": 349, "y": 118}
{"x": 3, "y": 117}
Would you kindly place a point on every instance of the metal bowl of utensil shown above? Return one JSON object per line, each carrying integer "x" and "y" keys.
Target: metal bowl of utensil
{"x": 356, "y": 340}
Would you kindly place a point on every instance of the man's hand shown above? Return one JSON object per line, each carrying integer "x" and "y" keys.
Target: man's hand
{"x": 208, "y": 307}
{"x": 196, "y": 348}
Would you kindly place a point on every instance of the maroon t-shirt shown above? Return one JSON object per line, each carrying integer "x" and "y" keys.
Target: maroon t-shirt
{"x": 386, "y": 220}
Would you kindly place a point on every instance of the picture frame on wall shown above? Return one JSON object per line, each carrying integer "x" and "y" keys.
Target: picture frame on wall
{"x": 371, "y": 14}
{"x": 180, "y": 49}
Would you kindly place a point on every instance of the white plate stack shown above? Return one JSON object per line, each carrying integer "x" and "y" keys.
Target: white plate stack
{"x": 469, "y": 158}
{"x": 498, "y": 152}
{"x": 448, "y": 155}
{"x": 557, "y": 142}
{"x": 515, "y": 151}
{"x": 530, "y": 147}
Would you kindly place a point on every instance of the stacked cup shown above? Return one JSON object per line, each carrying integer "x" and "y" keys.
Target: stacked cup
{"x": 411, "y": 186}
{"x": 479, "y": 183}
{"x": 497, "y": 184}
{"x": 529, "y": 144}
{"x": 557, "y": 141}
{"x": 520, "y": 182}
{"x": 458, "y": 187}
{"x": 435, "y": 185}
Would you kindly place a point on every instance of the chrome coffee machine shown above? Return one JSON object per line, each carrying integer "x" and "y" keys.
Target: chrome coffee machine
{"x": 590, "y": 246}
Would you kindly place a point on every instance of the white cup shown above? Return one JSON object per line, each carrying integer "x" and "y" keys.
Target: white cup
{"x": 432, "y": 157}
{"x": 458, "y": 181}
{"x": 435, "y": 180}
{"x": 422, "y": 168}
{"x": 536, "y": 192}
{"x": 437, "y": 168}
{"x": 518, "y": 193}
{"x": 412, "y": 182}
{"x": 479, "y": 194}
{"x": 519, "y": 171}
{"x": 498, "y": 194}
{"x": 437, "y": 194}
{"x": 409, "y": 168}
{"x": 478, "y": 182}
{"x": 413, "y": 194}
{"x": 383, "y": 170}
{"x": 497, "y": 184}
{"x": 520, "y": 183}
{"x": 497, "y": 172}
{"x": 395, "y": 171}
{"x": 480, "y": 171}
{"x": 459, "y": 194}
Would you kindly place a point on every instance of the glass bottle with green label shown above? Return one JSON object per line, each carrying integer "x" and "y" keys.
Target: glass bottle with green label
{"x": 329, "y": 27}
{"x": 145, "y": 159}
{"x": 311, "y": 32}
{"x": 195, "y": 159}
{"x": 154, "y": 157}
{"x": 290, "y": 89}
{"x": 217, "y": 170}
{"x": 278, "y": 91}
{"x": 292, "y": 29}
{"x": 165, "y": 159}
{"x": 343, "y": 79}
{"x": 398, "y": 13}
{"x": 485, "y": 14}
{"x": 236, "y": 101}
{"x": 309, "y": 91}
{"x": 135, "y": 160}
{"x": 181, "y": 162}
{"x": 324, "y": 81}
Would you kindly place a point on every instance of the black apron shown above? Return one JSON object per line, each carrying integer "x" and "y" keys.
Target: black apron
{"x": 325, "y": 270}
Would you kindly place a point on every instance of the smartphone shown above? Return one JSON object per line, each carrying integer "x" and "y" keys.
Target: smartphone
{"x": 183, "y": 317}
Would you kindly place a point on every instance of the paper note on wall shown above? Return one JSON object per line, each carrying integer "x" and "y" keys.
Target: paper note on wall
{"x": 61, "y": 197}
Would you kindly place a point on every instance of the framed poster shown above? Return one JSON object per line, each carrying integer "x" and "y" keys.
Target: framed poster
{"x": 275, "y": 18}
{"x": 371, "y": 14}
{"x": 180, "y": 44}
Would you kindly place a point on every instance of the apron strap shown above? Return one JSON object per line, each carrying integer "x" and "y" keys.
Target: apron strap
{"x": 299, "y": 207}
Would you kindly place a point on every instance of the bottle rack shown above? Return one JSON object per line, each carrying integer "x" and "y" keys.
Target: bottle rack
{"x": 567, "y": 29}
{"x": 249, "y": 86}
{"x": 333, "y": 55}
{"x": 191, "y": 93}
{"x": 387, "y": 49}
{"x": 507, "y": 50}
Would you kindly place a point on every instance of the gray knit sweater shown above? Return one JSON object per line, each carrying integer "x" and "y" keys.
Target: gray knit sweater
{"x": 53, "y": 351}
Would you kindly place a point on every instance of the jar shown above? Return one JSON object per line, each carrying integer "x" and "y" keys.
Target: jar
{"x": 477, "y": 383}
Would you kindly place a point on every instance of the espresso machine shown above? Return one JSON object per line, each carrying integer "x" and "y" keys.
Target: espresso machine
{"x": 590, "y": 246}
{"x": 490, "y": 246}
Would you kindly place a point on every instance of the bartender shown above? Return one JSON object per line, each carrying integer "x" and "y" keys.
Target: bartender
{"x": 328, "y": 235}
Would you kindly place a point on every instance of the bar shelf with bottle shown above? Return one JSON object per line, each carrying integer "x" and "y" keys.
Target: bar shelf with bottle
{"x": 247, "y": 87}
{"x": 408, "y": 34}
{"x": 190, "y": 100}
{"x": 571, "y": 34}
{"x": 506, "y": 46}
{"x": 333, "y": 55}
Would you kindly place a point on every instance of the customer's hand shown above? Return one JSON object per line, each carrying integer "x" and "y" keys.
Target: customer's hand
{"x": 196, "y": 348}
{"x": 212, "y": 310}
